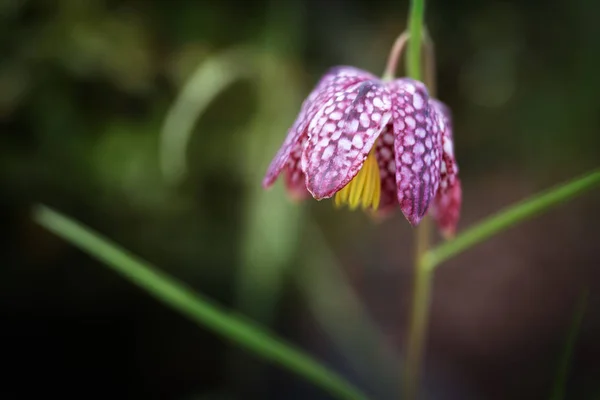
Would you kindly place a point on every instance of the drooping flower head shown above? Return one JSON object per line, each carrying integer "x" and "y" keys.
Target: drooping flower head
{"x": 373, "y": 144}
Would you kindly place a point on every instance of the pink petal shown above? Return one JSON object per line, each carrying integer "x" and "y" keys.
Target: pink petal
{"x": 450, "y": 167}
{"x": 334, "y": 81}
{"x": 445, "y": 209}
{"x": 417, "y": 147}
{"x": 341, "y": 135}
{"x": 294, "y": 177}
{"x": 387, "y": 171}
{"x": 446, "y": 206}
{"x": 446, "y": 114}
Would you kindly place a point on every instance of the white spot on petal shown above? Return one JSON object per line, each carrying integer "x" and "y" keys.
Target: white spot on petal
{"x": 353, "y": 126}
{"x": 419, "y": 148}
{"x": 328, "y": 152}
{"x": 409, "y": 140}
{"x": 417, "y": 165}
{"x": 329, "y": 127}
{"x": 357, "y": 142}
{"x": 365, "y": 120}
{"x": 344, "y": 144}
{"x": 336, "y": 115}
{"x": 448, "y": 147}
{"x": 417, "y": 101}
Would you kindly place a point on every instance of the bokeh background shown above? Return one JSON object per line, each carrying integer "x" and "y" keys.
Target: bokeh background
{"x": 153, "y": 122}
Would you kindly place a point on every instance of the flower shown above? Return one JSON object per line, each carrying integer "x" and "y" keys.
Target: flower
{"x": 373, "y": 144}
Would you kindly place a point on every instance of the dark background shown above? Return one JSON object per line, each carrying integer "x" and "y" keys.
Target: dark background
{"x": 85, "y": 87}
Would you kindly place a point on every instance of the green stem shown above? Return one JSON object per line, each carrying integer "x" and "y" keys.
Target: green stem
{"x": 415, "y": 27}
{"x": 421, "y": 297}
{"x": 194, "y": 306}
{"x": 419, "y": 313}
{"x": 510, "y": 217}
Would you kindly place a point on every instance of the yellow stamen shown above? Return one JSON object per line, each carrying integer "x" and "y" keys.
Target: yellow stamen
{"x": 364, "y": 189}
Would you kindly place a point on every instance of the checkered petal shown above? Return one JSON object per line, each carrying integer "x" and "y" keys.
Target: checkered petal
{"x": 417, "y": 148}
{"x": 341, "y": 135}
{"x": 387, "y": 172}
{"x": 335, "y": 81}
{"x": 446, "y": 206}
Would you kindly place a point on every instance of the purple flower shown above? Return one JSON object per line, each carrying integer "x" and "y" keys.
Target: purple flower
{"x": 373, "y": 144}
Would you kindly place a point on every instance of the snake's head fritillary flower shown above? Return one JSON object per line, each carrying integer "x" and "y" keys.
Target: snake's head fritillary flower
{"x": 372, "y": 144}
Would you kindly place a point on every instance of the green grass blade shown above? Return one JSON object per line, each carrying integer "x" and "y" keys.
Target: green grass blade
{"x": 209, "y": 80}
{"x": 337, "y": 307}
{"x": 194, "y": 306}
{"x": 558, "y": 392}
{"x": 510, "y": 217}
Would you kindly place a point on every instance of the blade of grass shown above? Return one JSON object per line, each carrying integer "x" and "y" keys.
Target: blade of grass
{"x": 271, "y": 224}
{"x": 558, "y": 392}
{"x": 210, "y": 79}
{"x": 510, "y": 217}
{"x": 338, "y": 309}
{"x": 194, "y": 306}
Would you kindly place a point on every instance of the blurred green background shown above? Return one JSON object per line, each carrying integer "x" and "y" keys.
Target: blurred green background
{"x": 154, "y": 121}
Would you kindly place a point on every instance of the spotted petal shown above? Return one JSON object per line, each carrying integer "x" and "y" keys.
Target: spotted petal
{"x": 387, "y": 171}
{"x": 336, "y": 80}
{"x": 293, "y": 175}
{"x": 417, "y": 148}
{"x": 445, "y": 209}
{"x": 446, "y": 206}
{"x": 341, "y": 135}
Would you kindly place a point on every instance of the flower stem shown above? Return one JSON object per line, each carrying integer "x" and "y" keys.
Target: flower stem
{"x": 419, "y": 314}
{"x": 392, "y": 63}
{"x": 417, "y": 328}
{"x": 415, "y": 28}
